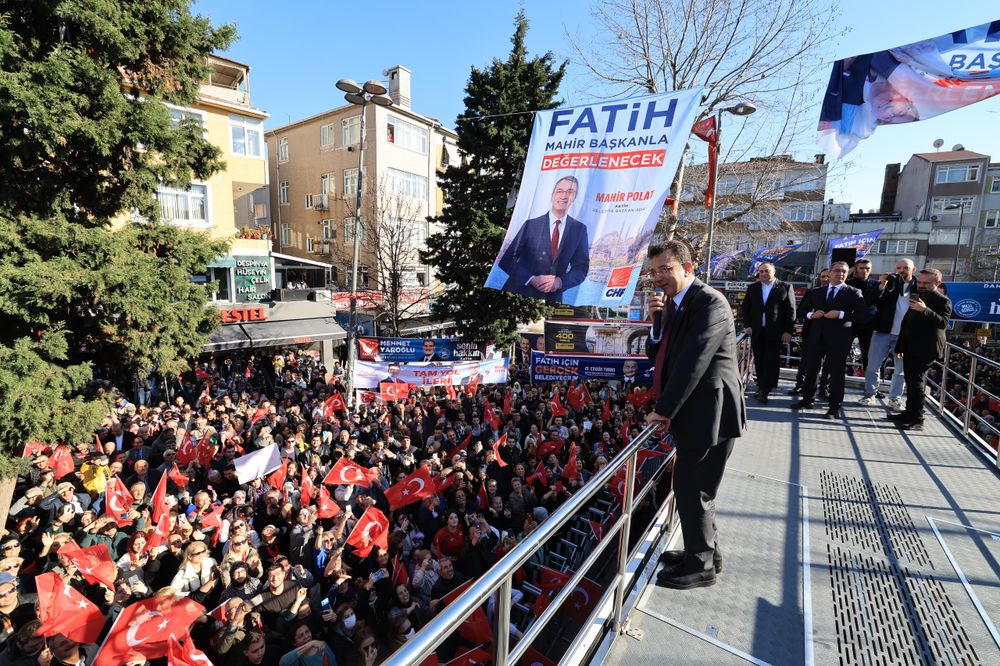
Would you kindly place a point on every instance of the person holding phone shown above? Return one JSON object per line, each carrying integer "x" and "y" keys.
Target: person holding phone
{"x": 891, "y": 306}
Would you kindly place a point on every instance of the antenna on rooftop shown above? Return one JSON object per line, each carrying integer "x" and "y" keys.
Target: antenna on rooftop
{"x": 957, "y": 147}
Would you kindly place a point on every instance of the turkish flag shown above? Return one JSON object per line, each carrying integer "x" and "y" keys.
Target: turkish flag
{"x": 175, "y": 475}
{"x": 625, "y": 428}
{"x": 390, "y": 391}
{"x": 349, "y": 473}
{"x": 219, "y": 612}
{"x": 539, "y": 475}
{"x": 63, "y": 610}
{"x": 145, "y": 627}
{"x": 490, "y": 417}
{"x": 508, "y": 399}
{"x": 461, "y": 445}
{"x": 117, "y": 501}
{"x": 334, "y": 403}
{"x": 61, "y": 461}
{"x": 572, "y": 469}
{"x": 306, "y": 488}
{"x": 547, "y": 448}
{"x": 188, "y": 450}
{"x": 582, "y": 600}
{"x": 94, "y": 562}
{"x": 451, "y": 392}
{"x": 201, "y": 375}
{"x": 248, "y": 371}
{"x": 159, "y": 502}
{"x": 476, "y": 628}
{"x": 400, "y": 576}
{"x": 496, "y": 449}
{"x": 368, "y": 397}
{"x": 372, "y": 530}
{"x": 185, "y": 654}
{"x": 326, "y": 507}
{"x": 598, "y": 529}
{"x": 33, "y": 448}
{"x": 205, "y": 451}
{"x": 639, "y": 399}
{"x": 606, "y": 412}
{"x": 474, "y": 657}
{"x": 213, "y": 518}
{"x": 482, "y": 499}
{"x": 277, "y": 478}
{"x": 159, "y": 535}
{"x": 557, "y": 406}
{"x": 415, "y": 487}
{"x": 706, "y": 130}
{"x": 576, "y": 398}
{"x": 471, "y": 386}
{"x": 548, "y": 580}
{"x": 443, "y": 484}
{"x": 258, "y": 414}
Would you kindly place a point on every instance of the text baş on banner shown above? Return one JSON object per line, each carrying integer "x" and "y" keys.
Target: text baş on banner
{"x": 863, "y": 243}
{"x": 565, "y": 367}
{"x": 595, "y": 180}
{"x": 975, "y": 301}
{"x": 908, "y": 83}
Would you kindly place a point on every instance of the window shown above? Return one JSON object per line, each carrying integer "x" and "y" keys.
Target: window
{"x": 283, "y": 193}
{"x": 309, "y": 201}
{"x": 246, "y": 134}
{"x": 220, "y": 276}
{"x": 351, "y": 182}
{"x": 407, "y": 135}
{"x": 407, "y": 184}
{"x": 991, "y": 219}
{"x": 183, "y": 207}
{"x": 283, "y": 150}
{"x": 421, "y": 277}
{"x": 178, "y": 116}
{"x": 326, "y": 183}
{"x": 329, "y": 230}
{"x": 286, "y": 234}
{"x": 363, "y": 276}
{"x": 966, "y": 173}
{"x": 895, "y": 247}
{"x": 310, "y": 244}
{"x": 349, "y": 230}
{"x": 351, "y": 130}
{"x": 802, "y": 212}
{"x": 326, "y": 136}
{"x": 943, "y": 205}
{"x": 948, "y": 237}
{"x": 728, "y": 185}
{"x": 995, "y": 185}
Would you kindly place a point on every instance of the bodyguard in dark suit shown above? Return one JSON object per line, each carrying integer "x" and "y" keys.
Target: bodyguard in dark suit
{"x": 921, "y": 342}
{"x": 699, "y": 396}
{"x": 863, "y": 320}
{"x": 769, "y": 317}
{"x": 804, "y": 306}
{"x": 830, "y": 333}
{"x": 550, "y": 253}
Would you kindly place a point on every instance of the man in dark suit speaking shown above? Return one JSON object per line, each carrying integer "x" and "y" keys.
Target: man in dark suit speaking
{"x": 699, "y": 397}
{"x": 769, "y": 317}
{"x": 550, "y": 253}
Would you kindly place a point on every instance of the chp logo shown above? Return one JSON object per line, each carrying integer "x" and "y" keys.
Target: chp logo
{"x": 618, "y": 282}
{"x": 968, "y": 308}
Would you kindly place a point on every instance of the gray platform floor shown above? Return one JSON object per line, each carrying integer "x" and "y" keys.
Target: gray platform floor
{"x": 883, "y": 587}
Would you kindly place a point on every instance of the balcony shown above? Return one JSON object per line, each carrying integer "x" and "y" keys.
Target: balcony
{"x": 889, "y": 225}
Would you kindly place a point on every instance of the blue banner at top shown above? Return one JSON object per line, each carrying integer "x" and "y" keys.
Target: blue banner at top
{"x": 771, "y": 255}
{"x": 974, "y": 301}
{"x": 863, "y": 243}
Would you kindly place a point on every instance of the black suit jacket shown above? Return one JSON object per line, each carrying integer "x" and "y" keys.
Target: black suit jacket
{"x": 778, "y": 312}
{"x": 922, "y": 334}
{"x": 834, "y": 331}
{"x": 530, "y": 254}
{"x": 885, "y": 304}
{"x": 701, "y": 390}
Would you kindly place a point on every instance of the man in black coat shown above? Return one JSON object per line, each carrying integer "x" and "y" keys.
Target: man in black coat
{"x": 863, "y": 320}
{"x": 699, "y": 397}
{"x": 830, "y": 333}
{"x": 769, "y": 316}
{"x": 805, "y": 306}
{"x": 921, "y": 342}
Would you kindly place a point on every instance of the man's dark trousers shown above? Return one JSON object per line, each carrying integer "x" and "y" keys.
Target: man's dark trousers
{"x": 767, "y": 347}
{"x": 915, "y": 384}
{"x": 697, "y": 476}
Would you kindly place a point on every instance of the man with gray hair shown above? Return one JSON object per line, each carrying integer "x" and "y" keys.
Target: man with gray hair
{"x": 891, "y": 306}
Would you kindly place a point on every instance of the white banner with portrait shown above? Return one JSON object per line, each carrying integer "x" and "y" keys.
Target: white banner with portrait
{"x": 369, "y": 374}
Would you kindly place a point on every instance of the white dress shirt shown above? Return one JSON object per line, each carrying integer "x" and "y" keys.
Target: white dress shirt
{"x": 765, "y": 292}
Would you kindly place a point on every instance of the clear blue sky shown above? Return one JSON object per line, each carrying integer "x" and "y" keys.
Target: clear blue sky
{"x": 299, "y": 48}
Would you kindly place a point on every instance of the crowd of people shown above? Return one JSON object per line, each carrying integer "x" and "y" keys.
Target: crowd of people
{"x": 277, "y": 562}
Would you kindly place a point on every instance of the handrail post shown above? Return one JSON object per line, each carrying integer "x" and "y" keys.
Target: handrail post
{"x": 944, "y": 379}
{"x": 627, "y": 497}
{"x": 970, "y": 384}
{"x": 501, "y": 618}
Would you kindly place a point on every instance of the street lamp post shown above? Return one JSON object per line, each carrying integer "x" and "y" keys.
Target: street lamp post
{"x": 958, "y": 243}
{"x": 375, "y": 92}
{"x": 741, "y": 109}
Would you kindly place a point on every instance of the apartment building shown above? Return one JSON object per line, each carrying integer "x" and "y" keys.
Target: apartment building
{"x": 314, "y": 166}
{"x": 899, "y": 238}
{"x": 946, "y": 189}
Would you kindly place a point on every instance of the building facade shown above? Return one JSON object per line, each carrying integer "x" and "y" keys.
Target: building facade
{"x": 314, "y": 167}
{"x": 987, "y": 250}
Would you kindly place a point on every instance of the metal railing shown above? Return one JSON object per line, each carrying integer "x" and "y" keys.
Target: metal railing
{"x": 498, "y": 581}
{"x": 958, "y": 408}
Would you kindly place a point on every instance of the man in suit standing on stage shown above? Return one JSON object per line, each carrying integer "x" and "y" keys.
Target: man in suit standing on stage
{"x": 550, "y": 253}
{"x": 769, "y": 317}
{"x": 921, "y": 342}
{"x": 699, "y": 397}
{"x": 831, "y": 334}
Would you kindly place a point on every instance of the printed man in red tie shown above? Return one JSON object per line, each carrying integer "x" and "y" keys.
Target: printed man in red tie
{"x": 699, "y": 398}
{"x": 551, "y": 252}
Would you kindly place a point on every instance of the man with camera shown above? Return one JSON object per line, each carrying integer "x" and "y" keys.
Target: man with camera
{"x": 921, "y": 342}
{"x": 890, "y": 308}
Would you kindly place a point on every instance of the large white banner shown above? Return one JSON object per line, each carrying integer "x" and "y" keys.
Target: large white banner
{"x": 595, "y": 180}
{"x": 369, "y": 374}
{"x": 257, "y": 464}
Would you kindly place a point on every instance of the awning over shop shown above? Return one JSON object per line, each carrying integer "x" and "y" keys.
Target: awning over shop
{"x": 275, "y": 333}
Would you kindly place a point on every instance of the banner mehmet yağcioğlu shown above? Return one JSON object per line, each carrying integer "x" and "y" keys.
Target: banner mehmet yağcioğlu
{"x": 595, "y": 180}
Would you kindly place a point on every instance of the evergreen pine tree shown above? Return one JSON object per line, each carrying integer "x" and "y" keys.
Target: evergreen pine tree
{"x": 86, "y": 139}
{"x": 493, "y": 136}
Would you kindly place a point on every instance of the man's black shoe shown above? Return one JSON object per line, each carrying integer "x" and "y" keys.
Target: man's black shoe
{"x": 761, "y": 397}
{"x": 832, "y": 414}
{"x": 899, "y": 418}
{"x": 910, "y": 425}
{"x": 681, "y": 579}
{"x": 803, "y": 404}
{"x": 824, "y": 394}
{"x": 879, "y": 395}
{"x": 795, "y": 391}
{"x": 673, "y": 558}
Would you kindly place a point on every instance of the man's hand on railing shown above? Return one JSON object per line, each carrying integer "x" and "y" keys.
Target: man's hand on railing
{"x": 653, "y": 418}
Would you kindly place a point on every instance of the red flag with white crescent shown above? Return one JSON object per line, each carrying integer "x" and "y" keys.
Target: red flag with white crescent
{"x": 117, "y": 501}
{"x": 205, "y": 451}
{"x": 64, "y": 610}
{"x": 557, "y": 406}
{"x": 325, "y": 506}
{"x": 277, "y": 478}
{"x": 33, "y": 448}
{"x": 390, "y": 391}
{"x": 606, "y": 411}
{"x": 333, "y": 404}
{"x": 175, "y": 475}
{"x": 508, "y": 400}
{"x": 306, "y": 488}
{"x": 461, "y": 445}
{"x": 496, "y": 449}
{"x": 348, "y": 473}
{"x": 443, "y": 484}
{"x": 451, "y": 392}
{"x": 185, "y": 654}
{"x": 572, "y": 468}
{"x": 416, "y": 486}
{"x": 188, "y": 450}
{"x": 159, "y": 535}
{"x": 370, "y": 531}
{"x": 159, "y": 501}
{"x": 61, "y": 461}
{"x": 94, "y": 562}
{"x": 144, "y": 628}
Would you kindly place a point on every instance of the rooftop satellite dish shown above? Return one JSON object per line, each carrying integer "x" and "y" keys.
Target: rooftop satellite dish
{"x": 958, "y": 146}
{"x": 938, "y": 143}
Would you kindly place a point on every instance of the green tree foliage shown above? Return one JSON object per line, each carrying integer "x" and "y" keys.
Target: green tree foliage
{"x": 493, "y": 135}
{"x": 86, "y": 138}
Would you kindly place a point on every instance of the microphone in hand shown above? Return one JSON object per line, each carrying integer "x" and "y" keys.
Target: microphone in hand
{"x": 658, "y": 318}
